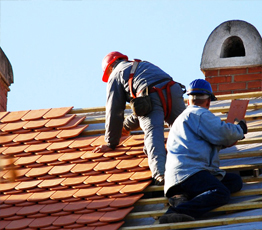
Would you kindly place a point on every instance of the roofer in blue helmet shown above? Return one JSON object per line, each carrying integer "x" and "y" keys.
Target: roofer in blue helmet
{"x": 154, "y": 98}
{"x": 194, "y": 183}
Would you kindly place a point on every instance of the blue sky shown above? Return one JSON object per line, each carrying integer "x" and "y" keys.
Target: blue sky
{"x": 56, "y": 46}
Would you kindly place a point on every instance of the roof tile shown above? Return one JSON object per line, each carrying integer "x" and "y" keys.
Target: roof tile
{"x": 63, "y": 194}
{"x": 117, "y": 215}
{"x": 66, "y": 220}
{"x": 87, "y": 192}
{"x": 61, "y": 169}
{"x": 10, "y": 211}
{"x": 14, "y": 126}
{"x": 53, "y": 208}
{"x": 40, "y": 196}
{"x": 38, "y": 171}
{"x": 7, "y": 138}
{"x": 89, "y": 218}
{"x": 76, "y": 206}
{"x": 30, "y": 210}
{"x": 72, "y": 123}
{"x": 34, "y": 114}
{"x": 42, "y": 222}
{"x": 137, "y": 187}
{"x": 47, "y": 135}
{"x": 109, "y": 190}
{"x": 59, "y": 145}
{"x": 57, "y": 112}
{"x": 27, "y": 184}
{"x": 19, "y": 224}
{"x": 14, "y": 116}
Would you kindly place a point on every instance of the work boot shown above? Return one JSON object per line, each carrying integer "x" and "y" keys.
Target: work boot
{"x": 174, "y": 218}
{"x": 159, "y": 180}
{"x": 176, "y": 200}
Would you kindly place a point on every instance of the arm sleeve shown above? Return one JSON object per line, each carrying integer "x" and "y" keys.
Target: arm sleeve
{"x": 217, "y": 132}
{"x": 115, "y": 106}
{"x": 131, "y": 122}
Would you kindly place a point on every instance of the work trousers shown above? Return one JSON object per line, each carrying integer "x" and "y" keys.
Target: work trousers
{"x": 153, "y": 126}
{"x": 205, "y": 192}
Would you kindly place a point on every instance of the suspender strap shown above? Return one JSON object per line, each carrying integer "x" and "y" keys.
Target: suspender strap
{"x": 131, "y": 76}
{"x": 167, "y": 106}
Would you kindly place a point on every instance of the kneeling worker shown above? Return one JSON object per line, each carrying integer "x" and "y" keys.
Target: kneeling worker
{"x": 192, "y": 165}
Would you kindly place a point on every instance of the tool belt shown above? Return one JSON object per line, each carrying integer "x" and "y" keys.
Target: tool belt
{"x": 140, "y": 105}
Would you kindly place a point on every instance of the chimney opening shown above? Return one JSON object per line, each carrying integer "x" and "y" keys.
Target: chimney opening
{"x": 233, "y": 47}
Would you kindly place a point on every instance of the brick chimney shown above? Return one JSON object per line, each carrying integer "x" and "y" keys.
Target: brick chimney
{"x": 232, "y": 58}
{"x": 6, "y": 79}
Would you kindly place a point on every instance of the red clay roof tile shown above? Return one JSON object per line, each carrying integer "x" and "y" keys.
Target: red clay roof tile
{"x": 129, "y": 163}
{"x": 109, "y": 190}
{"x": 37, "y": 147}
{"x": 81, "y": 142}
{"x": 10, "y": 211}
{"x": 57, "y": 112}
{"x": 133, "y": 188}
{"x": 107, "y": 165}
{"x": 71, "y": 156}
{"x": 47, "y": 135}
{"x": 53, "y": 208}
{"x": 30, "y": 210}
{"x": 117, "y": 215}
{"x": 76, "y": 206}
{"x": 63, "y": 194}
{"x": 26, "y": 160}
{"x": 97, "y": 179}
{"x": 40, "y": 196}
{"x": 42, "y": 222}
{"x": 7, "y": 138}
{"x": 61, "y": 169}
{"x": 84, "y": 167}
{"x": 28, "y": 184}
{"x": 35, "y": 124}
{"x": 73, "y": 132}
{"x": 14, "y": 116}
{"x": 19, "y": 224}
{"x": 66, "y": 220}
{"x": 34, "y": 114}
{"x": 120, "y": 177}
{"x": 38, "y": 171}
{"x": 17, "y": 198}
{"x": 89, "y": 218}
{"x": 3, "y": 114}
{"x": 72, "y": 123}
{"x": 59, "y": 145}
{"x": 61, "y": 121}
{"x": 87, "y": 192}
{"x": 14, "y": 126}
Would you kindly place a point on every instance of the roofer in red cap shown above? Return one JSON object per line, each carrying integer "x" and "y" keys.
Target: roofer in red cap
{"x": 192, "y": 166}
{"x": 154, "y": 98}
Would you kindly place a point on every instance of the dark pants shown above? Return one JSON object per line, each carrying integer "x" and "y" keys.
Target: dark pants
{"x": 205, "y": 192}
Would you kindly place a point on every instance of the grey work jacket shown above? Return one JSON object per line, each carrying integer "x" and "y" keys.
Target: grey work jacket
{"x": 118, "y": 94}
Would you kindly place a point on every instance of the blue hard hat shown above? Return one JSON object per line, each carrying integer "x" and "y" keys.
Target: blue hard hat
{"x": 200, "y": 86}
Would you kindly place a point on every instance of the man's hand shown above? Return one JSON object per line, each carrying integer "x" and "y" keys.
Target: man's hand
{"x": 125, "y": 132}
{"x": 243, "y": 126}
{"x": 102, "y": 148}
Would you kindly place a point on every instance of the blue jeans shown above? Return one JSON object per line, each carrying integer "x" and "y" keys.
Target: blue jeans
{"x": 205, "y": 192}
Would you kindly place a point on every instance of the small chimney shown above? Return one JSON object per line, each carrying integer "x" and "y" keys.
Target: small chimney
{"x": 6, "y": 79}
{"x": 232, "y": 58}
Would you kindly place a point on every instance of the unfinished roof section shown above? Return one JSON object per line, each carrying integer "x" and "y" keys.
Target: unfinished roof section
{"x": 233, "y": 43}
